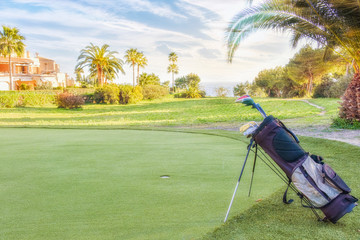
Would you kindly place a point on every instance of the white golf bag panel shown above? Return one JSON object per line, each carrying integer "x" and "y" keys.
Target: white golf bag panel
{"x": 312, "y": 182}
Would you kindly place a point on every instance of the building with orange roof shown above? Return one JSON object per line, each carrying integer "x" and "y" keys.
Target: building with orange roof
{"x": 31, "y": 71}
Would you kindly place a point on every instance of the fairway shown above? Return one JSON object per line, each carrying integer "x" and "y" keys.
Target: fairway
{"x": 106, "y": 184}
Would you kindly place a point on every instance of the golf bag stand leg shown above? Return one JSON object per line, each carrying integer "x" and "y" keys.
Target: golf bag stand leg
{"x": 237, "y": 185}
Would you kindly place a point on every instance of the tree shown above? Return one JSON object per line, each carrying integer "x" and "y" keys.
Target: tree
{"x": 11, "y": 42}
{"x": 221, "y": 92}
{"x": 131, "y": 57}
{"x": 192, "y": 81}
{"x": 100, "y": 61}
{"x": 181, "y": 82}
{"x": 332, "y": 24}
{"x": 307, "y": 67}
{"x": 78, "y": 72}
{"x": 240, "y": 89}
{"x": 149, "y": 79}
{"x": 173, "y": 67}
{"x": 272, "y": 81}
{"x": 141, "y": 61}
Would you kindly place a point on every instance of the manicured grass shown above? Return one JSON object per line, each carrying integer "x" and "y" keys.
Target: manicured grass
{"x": 105, "y": 184}
{"x": 271, "y": 219}
{"x": 166, "y": 112}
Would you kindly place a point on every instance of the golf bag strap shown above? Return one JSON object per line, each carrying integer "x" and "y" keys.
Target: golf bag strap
{"x": 288, "y": 130}
{"x": 285, "y": 193}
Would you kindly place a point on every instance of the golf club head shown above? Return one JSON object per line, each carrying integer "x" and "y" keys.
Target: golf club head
{"x": 249, "y": 128}
{"x": 246, "y": 100}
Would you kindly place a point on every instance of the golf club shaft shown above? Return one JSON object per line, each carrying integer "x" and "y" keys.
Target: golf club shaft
{"x": 261, "y": 111}
{"x": 237, "y": 185}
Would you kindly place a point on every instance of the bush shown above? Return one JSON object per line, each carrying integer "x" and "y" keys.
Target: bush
{"x": 12, "y": 99}
{"x": 9, "y": 99}
{"x": 69, "y": 101}
{"x": 154, "y": 91}
{"x": 130, "y": 94}
{"x": 99, "y": 95}
{"x": 24, "y": 86}
{"x": 323, "y": 89}
{"x": 88, "y": 97}
{"x": 339, "y": 87}
{"x": 32, "y": 98}
{"x": 107, "y": 94}
{"x": 345, "y": 123}
{"x": 180, "y": 95}
{"x": 193, "y": 92}
{"x": 44, "y": 86}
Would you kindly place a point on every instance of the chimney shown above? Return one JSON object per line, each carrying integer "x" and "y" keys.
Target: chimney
{"x": 28, "y": 54}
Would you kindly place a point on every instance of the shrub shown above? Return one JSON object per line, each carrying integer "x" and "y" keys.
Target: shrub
{"x": 99, "y": 95}
{"x": 345, "y": 123}
{"x": 180, "y": 95}
{"x": 24, "y": 86}
{"x": 12, "y": 99}
{"x": 130, "y": 94}
{"x": 9, "y": 99}
{"x": 323, "y": 89}
{"x": 154, "y": 91}
{"x": 88, "y": 97}
{"x": 193, "y": 92}
{"x": 339, "y": 87}
{"x": 44, "y": 86}
{"x": 107, "y": 94}
{"x": 69, "y": 101}
{"x": 31, "y": 98}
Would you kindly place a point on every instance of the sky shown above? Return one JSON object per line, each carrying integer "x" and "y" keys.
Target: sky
{"x": 194, "y": 29}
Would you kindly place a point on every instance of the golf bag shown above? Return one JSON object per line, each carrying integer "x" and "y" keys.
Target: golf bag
{"x": 315, "y": 180}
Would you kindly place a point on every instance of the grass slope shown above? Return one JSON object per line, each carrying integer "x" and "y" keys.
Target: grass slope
{"x": 165, "y": 112}
{"x": 105, "y": 184}
{"x": 271, "y": 219}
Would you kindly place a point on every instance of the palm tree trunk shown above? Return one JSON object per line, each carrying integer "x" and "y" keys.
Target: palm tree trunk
{"x": 138, "y": 71}
{"x": 99, "y": 75}
{"x": 10, "y": 74}
{"x": 173, "y": 89}
{"x": 133, "y": 74}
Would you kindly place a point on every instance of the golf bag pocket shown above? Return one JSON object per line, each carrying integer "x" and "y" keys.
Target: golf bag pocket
{"x": 333, "y": 179}
{"x": 310, "y": 180}
{"x": 286, "y": 146}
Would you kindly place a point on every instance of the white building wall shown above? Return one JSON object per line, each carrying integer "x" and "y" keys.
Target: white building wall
{"x": 4, "y": 84}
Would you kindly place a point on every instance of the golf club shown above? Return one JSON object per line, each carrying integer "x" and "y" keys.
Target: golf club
{"x": 248, "y": 101}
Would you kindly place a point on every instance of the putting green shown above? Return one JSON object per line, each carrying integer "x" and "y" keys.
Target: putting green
{"x": 106, "y": 184}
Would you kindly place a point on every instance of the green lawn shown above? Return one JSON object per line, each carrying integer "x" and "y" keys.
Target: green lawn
{"x": 165, "y": 112}
{"x": 105, "y": 184}
{"x": 101, "y": 180}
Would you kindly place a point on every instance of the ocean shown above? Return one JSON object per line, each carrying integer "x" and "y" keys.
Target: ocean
{"x": 210, "y": 87}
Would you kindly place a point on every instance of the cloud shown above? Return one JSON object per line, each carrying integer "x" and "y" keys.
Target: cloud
{"x": 209, "y": 53}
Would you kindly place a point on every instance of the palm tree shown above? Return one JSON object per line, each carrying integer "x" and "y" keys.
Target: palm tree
{"x": 100, "y": 61}
{"x": 333, "y": 24}
{"x": 173, "y": 67}
{"x": 78, "y": 72}
{"x": 141, "y": 61}
{"x": 10, "y": 43}
{"x": 131, "y": 57}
